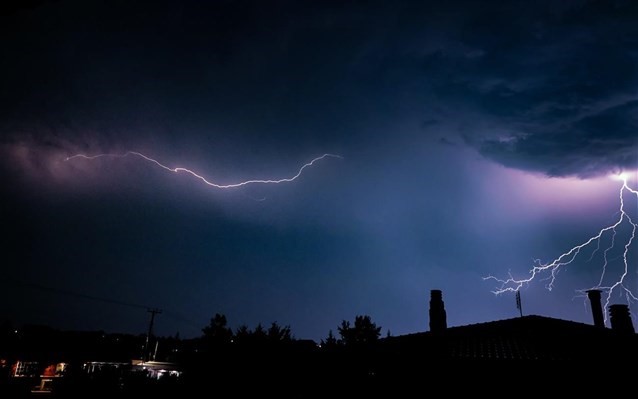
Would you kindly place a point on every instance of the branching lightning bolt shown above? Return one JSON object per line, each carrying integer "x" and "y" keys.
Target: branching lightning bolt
{"x": 512, "y": 284}
{"x": 202, "y": 178}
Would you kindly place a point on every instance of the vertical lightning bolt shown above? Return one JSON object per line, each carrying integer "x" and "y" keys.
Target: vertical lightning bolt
{"x": 539, "y": 269}
{"x": 202, "y": 178}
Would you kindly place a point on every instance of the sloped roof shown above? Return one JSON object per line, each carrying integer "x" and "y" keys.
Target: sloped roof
{"x": 529, "y": 337}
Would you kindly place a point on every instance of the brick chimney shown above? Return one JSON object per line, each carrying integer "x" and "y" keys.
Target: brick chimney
{"x": 621, "y": 319}
{"x": 438, "y": 318}
{"x": 596, "y": 308}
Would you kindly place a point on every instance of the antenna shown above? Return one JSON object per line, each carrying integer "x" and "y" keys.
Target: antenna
{"x": 518, "y": 302}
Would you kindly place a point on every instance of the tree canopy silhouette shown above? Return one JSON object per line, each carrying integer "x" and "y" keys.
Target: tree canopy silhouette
{"x": 364, "y": 331}
{"x": 330, "y": 341}
{"x": 277, "y": 333}
{"x": 218, "y": 332}
{"x": 274, "y": 334}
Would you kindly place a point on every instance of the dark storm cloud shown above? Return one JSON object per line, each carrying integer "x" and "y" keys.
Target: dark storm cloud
{"x": 543, "y": 87}
{"x": 601, "y": 143}
{"x": 554, "y": 89}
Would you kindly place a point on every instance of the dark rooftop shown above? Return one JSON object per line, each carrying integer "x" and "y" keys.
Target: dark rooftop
{"x": 528, "y": 337}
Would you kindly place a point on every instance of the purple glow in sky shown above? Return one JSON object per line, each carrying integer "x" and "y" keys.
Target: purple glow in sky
{"x": 610, "y": 247}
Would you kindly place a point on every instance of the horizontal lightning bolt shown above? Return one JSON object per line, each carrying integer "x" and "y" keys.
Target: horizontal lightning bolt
{"x": 512, "y": 284}
{"x": 202, "y": 178}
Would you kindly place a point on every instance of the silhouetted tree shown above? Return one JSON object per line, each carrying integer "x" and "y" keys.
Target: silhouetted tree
{"x": 259, "y": 334}
{"x": 217, "y": 332}
{"x": 277, "y": 333}
{"x": 330, "y": 341}
{"x": 242, "y": 334}
{"x": 364, "y": 331}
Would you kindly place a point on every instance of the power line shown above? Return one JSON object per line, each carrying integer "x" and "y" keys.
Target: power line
{"x": 172, "y": 314}
{"x": 78, "y": 294}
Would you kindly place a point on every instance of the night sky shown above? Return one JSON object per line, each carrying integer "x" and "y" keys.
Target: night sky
{"x": 475, "y": 136}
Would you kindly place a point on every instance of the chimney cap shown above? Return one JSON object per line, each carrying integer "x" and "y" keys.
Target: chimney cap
{"x": 620, "y": 318}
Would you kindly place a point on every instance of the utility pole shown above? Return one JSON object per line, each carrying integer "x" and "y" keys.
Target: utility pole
{"x": 147, "y": 347}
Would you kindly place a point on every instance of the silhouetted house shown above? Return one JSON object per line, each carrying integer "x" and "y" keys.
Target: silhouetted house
{"x": 521, "y": 338}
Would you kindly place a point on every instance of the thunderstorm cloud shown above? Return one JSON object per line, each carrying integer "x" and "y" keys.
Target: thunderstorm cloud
{"x": 554, "y": 90}
{"x": 547, "y": 87}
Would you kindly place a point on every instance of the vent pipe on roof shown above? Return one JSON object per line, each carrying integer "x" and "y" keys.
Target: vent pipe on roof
{"x": 621, "y": 319}
{"x": 596, "y": 308}
{"x": 438, "y": 317}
